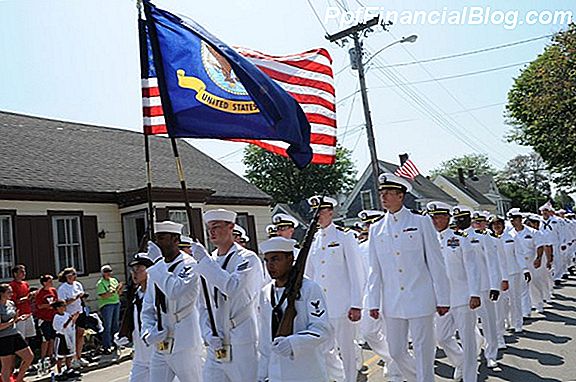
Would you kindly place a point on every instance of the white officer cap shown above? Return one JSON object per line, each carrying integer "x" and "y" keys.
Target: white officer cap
{"x": 141, "y": 259}
{"x": 494, "y": 218}
{"x": 219, "y": 215}
{"x": 281, "y": 220}
{"x": 271, "y": 230}
{"x": 370, "y": 216}
{"x": 437, "y": 208}
{"x": 277, "y": 244}
{"x": 327, "y": 202}
{"x": 389, "y": 181}
{"x": 514, "y": 213}
{"x": 168, "y": 227}
{"x": 461, "y": 210}
{"x": 480, "y": 216}
{"x": 534, "y": 217}
{"x": 240, "y": 231}
{"x": 185, "y": 241}
{"x": 106, "y": 268}
{"x": 546, "y": 207}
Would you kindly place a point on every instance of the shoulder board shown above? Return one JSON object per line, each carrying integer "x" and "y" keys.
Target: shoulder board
{"x": 493, "y": 234}
{"x": 510, "y": 241}
{"x": 479, "y": 231}
{"x": 461, "y": 233}
{"x": 343, "y": 229}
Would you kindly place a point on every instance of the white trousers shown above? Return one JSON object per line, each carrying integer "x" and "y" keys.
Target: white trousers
{"x": 185, "y": 364}
{"x": 139, "y": 373}
{"x": 487, "y": 314}
{"x": 341, "y": 355}
{"x": 242, "y": 367}
{"x": 374, "y": 333}
{"x": 446, "y": 337}
{"x": 516, "y": 284}
{"x": 539, "y": 286}
{"x": 465, "y": 322}
{"x": 501, "y": 315}
{"x": 421, "y": 367}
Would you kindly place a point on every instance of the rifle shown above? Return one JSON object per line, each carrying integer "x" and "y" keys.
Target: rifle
{"x": 292, "y": 291}
{"x": 127, "y": 321}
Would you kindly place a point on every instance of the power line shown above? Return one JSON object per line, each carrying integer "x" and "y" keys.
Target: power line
{"x": 317, "y": 16}
{"x": 470, "y": 52}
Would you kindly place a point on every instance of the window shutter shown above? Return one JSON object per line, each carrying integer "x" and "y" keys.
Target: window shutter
{"x": 91, "y": 244}
{"x": 253, "y": 243}
{"x": 34, "y": 245}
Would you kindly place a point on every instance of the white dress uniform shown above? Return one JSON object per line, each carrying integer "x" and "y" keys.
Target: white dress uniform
{"x": 516, "y": 267}
{"x": 335, "y": 264}
{"x": 178, "y": 282}
{"x": 140, "y": 371}
{"x": 525, "y": 245}
{"x": 497, "y": 246}
{"x": 490, "y": 279}
{"x": 463, "y": 273}
{"x": 235, "y": 287}
{"x": 407, "y": 282}
{"x": 553, "y": 230}
{"x": 312, "y": 330}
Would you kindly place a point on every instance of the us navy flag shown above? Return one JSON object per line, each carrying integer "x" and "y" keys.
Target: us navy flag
{"x": 209, "y": 91}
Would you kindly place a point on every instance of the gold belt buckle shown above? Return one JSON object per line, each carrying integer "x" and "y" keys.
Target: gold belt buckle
{"x": 223, "y": 354}
{"x": 165, "y": 346}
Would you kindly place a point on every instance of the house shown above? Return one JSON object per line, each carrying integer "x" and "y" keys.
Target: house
{"x": 74, "y": 195}
{"x": 362, "y": 195}
{"x": 466, "y": 192}
{"x": 486, "y": 185}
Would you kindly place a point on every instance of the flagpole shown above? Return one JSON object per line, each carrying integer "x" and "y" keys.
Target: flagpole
{"x": 169, "y": 119}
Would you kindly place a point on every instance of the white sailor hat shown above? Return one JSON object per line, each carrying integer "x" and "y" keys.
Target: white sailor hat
{"x": 327, "y": 202}
{"x": 168, "y": 227}
{"x": 479, "y": 216}
{"x": 106, "y": 268}
{"x": 514, "y": 213}
{"x": 389, "y": 181}
{"x": 271, "y": 230}
{"x": 370, "y": 216}
{"x": 534, "y": 217}
{"x": 219, "y": 215}
{"x": 546, "y": 207}
{"x": 277, "y": 244}
{"x": 437, "y": 208}
{"x": 185, "y": 241}
{"x": 282, "y": 220}
{"x": 461, "y": 210}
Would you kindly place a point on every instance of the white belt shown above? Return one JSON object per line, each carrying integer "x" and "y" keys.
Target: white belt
{"x": 241, "y": 316}
{"x": 184, "y": 312}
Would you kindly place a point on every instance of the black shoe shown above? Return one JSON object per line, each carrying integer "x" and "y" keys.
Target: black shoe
{"x": 61, "y": 377}
{"x": 565, "y": 276}
{"x": 73, "y": 373}
{"x": 557, "y": 282}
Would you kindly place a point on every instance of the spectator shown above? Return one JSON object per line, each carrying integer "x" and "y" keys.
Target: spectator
{"x": 108, "y": 289}
{"x": 72, "y": 291}
{"x": 12, "y": 342}
{"x": 21, "y": 296}
{"x": 45, "y": 314}
{"x": 65, "y": 338}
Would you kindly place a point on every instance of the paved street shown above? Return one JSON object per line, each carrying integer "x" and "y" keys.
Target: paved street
{"x": 545, "y": 352}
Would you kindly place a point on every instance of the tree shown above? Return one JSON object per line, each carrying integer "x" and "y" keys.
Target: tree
{"x": 526, "y": 181}
{"x": 542, "y": 106}
{"x": 477, "y": 162}
{"x": 279, "y": 177}
{"x": 563, "y": 200}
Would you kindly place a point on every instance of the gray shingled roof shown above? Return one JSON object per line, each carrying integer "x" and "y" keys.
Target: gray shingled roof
{"x": 49, "y": 154}
{"x": 469, "y": 190}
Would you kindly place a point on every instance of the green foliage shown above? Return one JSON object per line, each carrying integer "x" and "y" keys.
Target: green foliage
{"x": 279, "y": 177}
{"x": 563, "y": 200}
{"x": 542, "y": 106}
{"x": 526, "y": 181}
{"x": 477, "y": 162}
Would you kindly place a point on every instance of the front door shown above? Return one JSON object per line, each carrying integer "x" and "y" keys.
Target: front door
{"x": 134, "y": 225}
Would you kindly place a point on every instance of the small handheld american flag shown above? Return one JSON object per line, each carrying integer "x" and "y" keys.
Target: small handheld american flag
{"x": 408, "y": 170}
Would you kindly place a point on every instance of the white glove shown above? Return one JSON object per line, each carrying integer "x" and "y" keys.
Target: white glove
{"x": 154, "y": 252}
{"x": 198, "y": 251}
{"x": 120, "y": 341}
{"x": 281, "y": 346}
{"x": 215, "y": 343}
{"x": 153, "y": 336}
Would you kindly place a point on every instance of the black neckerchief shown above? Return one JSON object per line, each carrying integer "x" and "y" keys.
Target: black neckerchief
{"x": 277, "y": 311}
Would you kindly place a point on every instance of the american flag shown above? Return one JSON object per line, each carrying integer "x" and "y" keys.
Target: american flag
{"x": 408, "y": 170}
{"x": 307, "y": 77}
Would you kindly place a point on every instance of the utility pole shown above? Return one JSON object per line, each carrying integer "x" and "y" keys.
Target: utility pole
{"x": 355, "y": 33}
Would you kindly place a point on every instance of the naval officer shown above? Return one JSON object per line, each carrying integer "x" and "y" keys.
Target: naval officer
{"x": 408, "y": 281}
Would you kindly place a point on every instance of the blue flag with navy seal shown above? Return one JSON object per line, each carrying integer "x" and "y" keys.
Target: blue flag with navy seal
{"x": 209, "y": 91}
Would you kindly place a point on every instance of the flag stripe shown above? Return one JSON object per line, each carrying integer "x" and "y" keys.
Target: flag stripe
{"x": 282, "y": 77}
{"x": 286, "y": 68}
{"x": 408, "y": 170}
{"x": 313, "y": 100}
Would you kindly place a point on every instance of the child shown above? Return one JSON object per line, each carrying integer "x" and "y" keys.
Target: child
{"x": 65, "y": 344}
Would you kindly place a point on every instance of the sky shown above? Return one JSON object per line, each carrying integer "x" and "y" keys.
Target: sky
{"x": 77, "y": 60}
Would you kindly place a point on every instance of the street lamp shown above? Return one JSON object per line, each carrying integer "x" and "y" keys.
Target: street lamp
{"x": 411, "y": 38}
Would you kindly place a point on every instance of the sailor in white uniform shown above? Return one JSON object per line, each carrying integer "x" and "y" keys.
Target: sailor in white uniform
{"x": 408, "y": 280}
{"x": 298, "y": 357}
{"x": 235, "y": 277}
{"x": 169, "y": 311}
{"x": 285, "y": 225}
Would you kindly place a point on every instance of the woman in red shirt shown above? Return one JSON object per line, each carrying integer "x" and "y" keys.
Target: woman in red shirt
{"x": 45, "y": 314}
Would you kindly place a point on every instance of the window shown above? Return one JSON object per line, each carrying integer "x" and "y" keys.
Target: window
{"x": 367, "y": 203}
{"x": 6, "y": 247}
{"x": 179, "y": 216}
{"x": 68, "y": 242}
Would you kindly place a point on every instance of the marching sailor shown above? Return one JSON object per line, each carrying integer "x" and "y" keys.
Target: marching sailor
{"x": 235, "y": 277}
{"x": 335, "y": 264}
{"x": 297, "y": 357}
{"x": 462, "y": 270}
{"x": 169, "y": 313}
{"x": 408, "y": 280}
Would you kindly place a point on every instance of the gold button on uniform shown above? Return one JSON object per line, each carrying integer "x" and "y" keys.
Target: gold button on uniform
{"x": 323, "y": 248}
